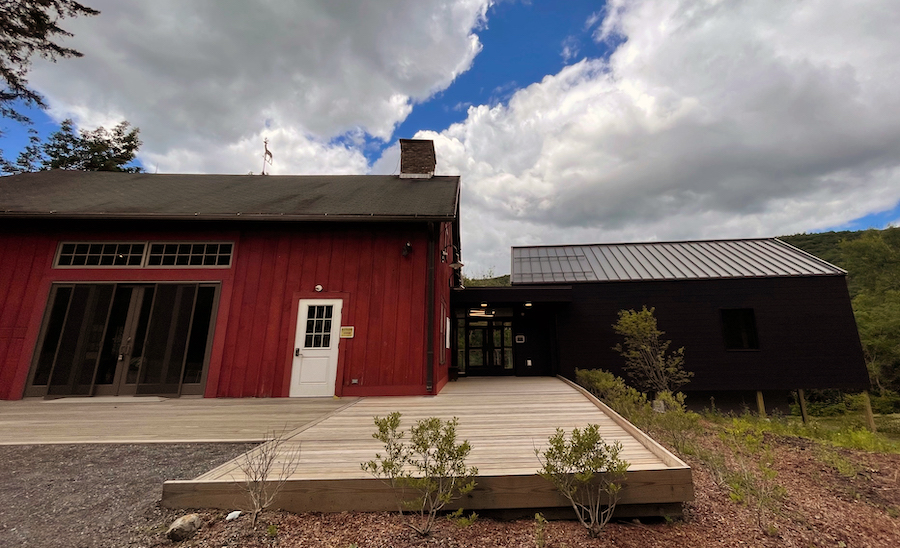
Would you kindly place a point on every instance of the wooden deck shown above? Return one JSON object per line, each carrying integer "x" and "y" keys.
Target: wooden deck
{"x": 156, "y": 420}
{"x": 504, "y": 419}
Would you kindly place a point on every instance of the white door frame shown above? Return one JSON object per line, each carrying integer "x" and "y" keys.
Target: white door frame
{"x": 314, "y": 363}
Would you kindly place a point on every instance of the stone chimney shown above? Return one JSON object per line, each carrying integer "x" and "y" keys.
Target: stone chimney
{"x": 417, "y": 159}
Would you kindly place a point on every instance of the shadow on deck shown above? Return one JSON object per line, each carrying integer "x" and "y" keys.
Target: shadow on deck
{"x": 504, "y": 419}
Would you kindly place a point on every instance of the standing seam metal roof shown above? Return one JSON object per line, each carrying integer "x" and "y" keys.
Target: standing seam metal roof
{"x": 688, "y": 260}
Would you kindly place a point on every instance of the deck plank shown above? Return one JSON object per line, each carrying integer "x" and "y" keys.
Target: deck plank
{"x": 504, "y": 419}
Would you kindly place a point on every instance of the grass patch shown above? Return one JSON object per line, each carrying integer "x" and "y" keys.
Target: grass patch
{"x": 847, "y": 431}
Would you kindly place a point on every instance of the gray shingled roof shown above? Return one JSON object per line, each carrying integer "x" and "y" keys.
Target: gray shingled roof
{"x": 758, "y": 258}
{"x": 78, "y": 194}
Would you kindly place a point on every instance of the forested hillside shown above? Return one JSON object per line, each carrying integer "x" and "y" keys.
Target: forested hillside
{"x": 872, "y": 260}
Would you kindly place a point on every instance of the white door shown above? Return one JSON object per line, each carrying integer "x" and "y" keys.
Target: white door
{"x": 314, "y": 368}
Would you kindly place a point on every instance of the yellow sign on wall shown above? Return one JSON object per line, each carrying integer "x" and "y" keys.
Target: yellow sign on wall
{"x": 347, "y": 332}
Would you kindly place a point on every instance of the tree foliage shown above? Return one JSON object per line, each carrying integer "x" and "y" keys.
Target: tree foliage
{"x": 29, "y": 27}
{"x": 648, "y": 361}
{"x": 97, "y": 150}
{"x": 872, "y": 261}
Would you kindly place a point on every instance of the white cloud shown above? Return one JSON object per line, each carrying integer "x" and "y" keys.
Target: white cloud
{"x": 711, "y": 119}
{"x": 206, "y": 80}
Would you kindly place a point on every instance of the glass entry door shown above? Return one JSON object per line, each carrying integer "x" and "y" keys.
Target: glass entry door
{"x": 485, "y": 347}
{"x": 123, "y": 339}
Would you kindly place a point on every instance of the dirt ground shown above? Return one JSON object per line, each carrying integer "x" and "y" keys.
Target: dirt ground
{"x": 91, "y": 495}
{"x": 85, "y": 495}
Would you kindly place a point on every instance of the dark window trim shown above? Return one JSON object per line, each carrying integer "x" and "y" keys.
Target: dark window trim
{"x": 750, "y": 340}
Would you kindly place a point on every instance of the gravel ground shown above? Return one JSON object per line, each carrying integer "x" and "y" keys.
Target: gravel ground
{"x": 86, "y": 495}
{"x": 93, "y": 495}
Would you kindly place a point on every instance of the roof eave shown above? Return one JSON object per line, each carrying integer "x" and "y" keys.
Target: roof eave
{"x": 271, "y": 217}
{"x": 514, "y": 282}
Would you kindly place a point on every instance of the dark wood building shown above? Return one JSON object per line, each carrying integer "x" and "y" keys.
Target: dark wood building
{"x": 224, "y": 285}
{"x": 752, "y": 315}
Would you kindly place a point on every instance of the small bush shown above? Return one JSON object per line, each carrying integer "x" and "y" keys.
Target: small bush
{"x": 266, "y": 469}
{"x": 587, "y": 471}
{"x": 431, "y": 463}
{"x": 614, "y": 392}
{"x": 676, "y": 424}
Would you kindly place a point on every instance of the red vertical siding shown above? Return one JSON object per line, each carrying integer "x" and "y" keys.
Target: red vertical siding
{"x": 385, "y": 299}
{"x": 22, "y": 259}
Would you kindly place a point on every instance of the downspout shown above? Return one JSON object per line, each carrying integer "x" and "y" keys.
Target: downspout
{"x": 429, "y": 354}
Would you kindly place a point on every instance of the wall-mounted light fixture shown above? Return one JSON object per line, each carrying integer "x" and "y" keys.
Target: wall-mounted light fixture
{"x": 483, "y": 305}
{"x": 456, "y": 263}
{"x": 528, "y": 304}
{"x": 407, "y": 249}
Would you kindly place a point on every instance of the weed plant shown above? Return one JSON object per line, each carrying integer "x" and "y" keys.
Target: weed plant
{"x": 753, "y": 480}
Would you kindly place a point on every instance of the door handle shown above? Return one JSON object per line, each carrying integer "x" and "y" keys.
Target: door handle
{"x": 297, "y": 352}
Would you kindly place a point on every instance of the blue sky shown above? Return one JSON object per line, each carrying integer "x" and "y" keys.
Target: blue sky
{"x": 522, "y": 43}
{"x": 568, "y": 122}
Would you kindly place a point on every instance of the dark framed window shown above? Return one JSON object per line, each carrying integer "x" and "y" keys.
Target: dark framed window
{"x": 100, "y": 254}
{"x": 189, "y": 254}
{"x": 739, "y": 329}
{"x": 144, "y": 255}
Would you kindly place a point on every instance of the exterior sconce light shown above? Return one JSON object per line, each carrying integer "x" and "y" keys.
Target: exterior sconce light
{"x": 528, "y": 304}
{"x": 445, "y": 256}
{"x": 407, "y": 248}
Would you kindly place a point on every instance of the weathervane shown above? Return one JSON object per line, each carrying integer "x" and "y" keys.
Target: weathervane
{"x": 267, "y": 156}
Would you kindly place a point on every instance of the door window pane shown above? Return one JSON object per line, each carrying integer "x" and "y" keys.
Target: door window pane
{"x": 476, "y": 357}
{"x": 79, "y": 350}
{"x": 318, "y": 326}
{"x": 115, "y": 335}
{"x": 196, "y": 354}
{"x": 140, "y": 336}
{"x": 52, "y": 336}
{"x": 166, "y": 339}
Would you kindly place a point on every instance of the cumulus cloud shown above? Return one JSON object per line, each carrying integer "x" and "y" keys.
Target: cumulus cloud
{"x": 710, "y": 119}
{"x": 205, "y": 80}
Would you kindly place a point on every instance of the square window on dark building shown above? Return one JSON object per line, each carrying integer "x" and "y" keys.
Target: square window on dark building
{"x": 739, "y": 329}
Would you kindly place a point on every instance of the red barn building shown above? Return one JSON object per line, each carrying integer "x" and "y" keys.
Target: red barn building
{"x": 228, "y": 285}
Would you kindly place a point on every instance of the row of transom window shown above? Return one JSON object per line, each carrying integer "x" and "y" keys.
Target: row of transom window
{"x": 144, "y": 254}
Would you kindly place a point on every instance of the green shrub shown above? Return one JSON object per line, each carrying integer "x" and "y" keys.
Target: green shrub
{"x": 613, "y": 391}
{"x": 587, "y": 471}
{"x": 886, "y": 403}
{"x": 676, "y": 424}
{"x": 432, "y": 463}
